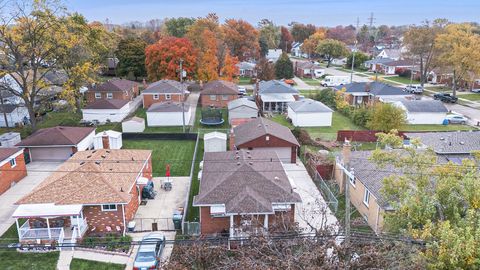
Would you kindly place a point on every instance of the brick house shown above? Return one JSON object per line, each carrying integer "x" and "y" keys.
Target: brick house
{"x": 308, "y": 69}
{"x": 264, "y": 134}
{"x": 94, "y": 192}
{"x": 112, "y": 89}
{"x": 240, "y": 197}
{"x": 164, "y": 91}
{"x": 12, "y": 167}
{"x": 218, "y": 93}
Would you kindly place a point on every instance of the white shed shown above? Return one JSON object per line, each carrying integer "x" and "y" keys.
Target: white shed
{"x": 108, "y": 139}
{"x": 242, "y": 108}
{"x": 215, "y": 142}
{"x": 168, "y": 114}
{"x": 309, "y": 113}
{"x": 9, "y": 139}
{"x": 134, "y": 124}
{"x": 423, "y": 111}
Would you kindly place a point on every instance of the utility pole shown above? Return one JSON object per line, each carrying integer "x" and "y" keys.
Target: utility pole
{"x": 183, "y": 94}
{"x": 353, "y": 60}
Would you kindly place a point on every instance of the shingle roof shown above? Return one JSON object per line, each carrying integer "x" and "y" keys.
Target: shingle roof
{"x": 433, "y": 106}
{"x": 168, "y": 107}
{"x": 241, "y": 102}
{"x": 219, "y": 87}
{"x": 135, "y": 119}
{"x": 58, "y": 135}
{"x": 7, "y": 108}
{"x": 244, "y": 181}
{"x": 259, "y": 127}
{"x": 107, "y": 104}
{"x": 308, "y": 65}
{"x": 452, "y": 142}
{"x": 309, "y": 105}
{"x": 274, "y": 86}
{"x": 114, "y": 85}
{"x": 379, "y": 61}
{"x": 6, "y": 152}
{"x": 246, "y": 65}
{"x": 400, "y": 63}
{"x": 91, "y": 177}
{"x": 165, "y": 87}
{"x": 375, "y": 88}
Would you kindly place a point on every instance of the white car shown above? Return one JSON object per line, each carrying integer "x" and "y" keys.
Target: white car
{"x": 476, "y": 90}
{"x": 414, "y": 89}
{"x": 242, "y": 90}
{"x": 456, "y": 119}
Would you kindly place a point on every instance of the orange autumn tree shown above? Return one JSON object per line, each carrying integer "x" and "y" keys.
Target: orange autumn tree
{"x": 162, "y": 59}
{"x": 207, "y": 58}
{"x": 230, "y": 69}
{"x": 242, "y": 39}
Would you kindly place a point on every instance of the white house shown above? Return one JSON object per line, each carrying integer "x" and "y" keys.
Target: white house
{"x": 215, "y": 142}
{"x": 423, "y": 111}
{"x": 16, "y": 115}
{"x": 168, "y": 114}
{"x": 297, "y": 50}
{"x": 309, "y": 113}
{"x": 108, "y": 139}
{"x": 106, "y": 110}
{"x": 241, "y": 108}
{"x": 134, "y": 124}
{"x": 339, "y": 61}
{"x": 273, "y": 55}
{"x": 9, "y": 139}
{"x": 246, "y": 69}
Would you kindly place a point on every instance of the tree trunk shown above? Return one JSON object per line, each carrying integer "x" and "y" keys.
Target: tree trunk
{"x": 454, "y": 84}
{"x": 4, "y": 112}
{"x": 78, "y": 103}
{"x": 31, "y": 113}
{"x": 422, "y": 73}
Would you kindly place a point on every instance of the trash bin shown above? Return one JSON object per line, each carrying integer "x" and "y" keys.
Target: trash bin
{"x": 131, "y": 226}
{"x": 177, "y": 221}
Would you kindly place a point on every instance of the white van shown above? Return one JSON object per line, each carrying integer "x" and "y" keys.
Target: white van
{"x": 335, "y": 81}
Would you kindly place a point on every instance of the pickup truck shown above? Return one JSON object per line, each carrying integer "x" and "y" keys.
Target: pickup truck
{"x": 445, "y": 98}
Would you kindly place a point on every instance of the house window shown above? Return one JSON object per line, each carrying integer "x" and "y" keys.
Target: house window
{"x": 213, "y": 97}
{"x": 109, "y": 95}
{"x": 109, "y": 207}
{"x": 224, "y": 97}
{"x": 168, "y": 96}
{"x": 13, "y": 162}
{"x": 352, "y": 180}
{"x": 98, "y": 95}
{"x": 366, "y": 197}
{"x": 156, "y": 96}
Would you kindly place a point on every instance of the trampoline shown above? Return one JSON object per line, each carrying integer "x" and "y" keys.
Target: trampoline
{"x": 211, "y": 117}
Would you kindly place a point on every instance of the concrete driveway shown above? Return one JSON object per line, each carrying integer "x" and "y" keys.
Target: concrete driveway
{"x": 37, "y": 172}
{"x": 313, "y": 212}
{"x": 160, "y": 210}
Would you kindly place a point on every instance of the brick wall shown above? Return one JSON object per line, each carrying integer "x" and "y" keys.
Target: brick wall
{"x": 9, "y": 175}
{"x": 218, "y": 102}
{"x": 272, "y": 142}
{"x": 100, "y": 219}
{"x": 148, "y": 99}
{"x": 90, "y": 95}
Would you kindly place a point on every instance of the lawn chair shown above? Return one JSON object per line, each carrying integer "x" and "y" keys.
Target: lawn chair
{"x": 108, "y": 228}
{"x": 118, "y": 228}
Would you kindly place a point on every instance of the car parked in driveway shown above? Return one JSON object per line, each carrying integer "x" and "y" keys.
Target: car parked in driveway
{"x": 445, "y": 98}
{"x": 456, "y": 119}
{"x": 476, "y": 90}
{"x": 149, "y": 252}
{"x": 414, "y": 89}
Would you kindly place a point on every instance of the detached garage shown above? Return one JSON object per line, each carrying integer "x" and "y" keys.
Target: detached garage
{"x": 310, "y": 113}
{"x": 58, "y": 143}
{"x": 107, "y": 110}
{"x": 242, "y": 108}
{"x": 168, "y": 114}
{"x": 423, "y": 111}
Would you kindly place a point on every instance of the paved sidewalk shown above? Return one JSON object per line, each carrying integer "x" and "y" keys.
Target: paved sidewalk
{"x": 65, "y": 260}
{"x": 303, "y": 85}
{"x": 192, "y": 100}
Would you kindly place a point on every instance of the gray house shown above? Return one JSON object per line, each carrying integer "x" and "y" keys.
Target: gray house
{"x": 242, "y": 108}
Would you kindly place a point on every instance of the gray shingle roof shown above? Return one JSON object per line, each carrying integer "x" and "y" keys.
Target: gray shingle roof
{"x": 167, "y": 107}
{"x": 7, "y": 108}
{"x": 276, "y": 87}
{"x": 433, "y": 106}
{"x": 452, "y": 142}
{"x": 244, "y": 181}
{"x": 241, "y": 102}
{"x": 375, "y": 88}
{"x": 165, "y": 87}
{"x": 309, "y": 105}
{"x": 379, "y": 61}
{"x": 308, "y": 65}
{"x": 259, "y": 127}
{"x": 246, "y": 65}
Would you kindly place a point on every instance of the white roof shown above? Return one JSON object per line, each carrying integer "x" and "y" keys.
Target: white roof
{"x": 277, "y": 97}
{"x": 109, "y": 133}
{"x": 46, "y": 210}
{"x": 215, "y": 134}
{"x": 142, "y": 181}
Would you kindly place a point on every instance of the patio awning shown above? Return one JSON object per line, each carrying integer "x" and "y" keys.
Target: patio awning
{"x": 277, "y": 98}
{"x": 46, "y": 210}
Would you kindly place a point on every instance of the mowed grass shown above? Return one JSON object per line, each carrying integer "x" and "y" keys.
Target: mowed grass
{"x": 402, "y": 80}
{"x": 310, "y": 81}
{"x": 177, "y": 153}
{"x": 198, "y": 116}
{"x": 471, "y": 97}
{"x": 80, "y": 264}
{"x": 437, "y": 128}
{"x": 244, "y": 81}
{"x": 193, "y": 212}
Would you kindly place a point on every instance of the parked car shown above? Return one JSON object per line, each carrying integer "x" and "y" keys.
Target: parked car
{"x": 445, "y": 98}
{"x": 414, "y": 89}
{"x": 476, "y": 90}
{"x": 242, "y": 90}
{"x": 456, "y": 119}
{"x": 149, "y": 252}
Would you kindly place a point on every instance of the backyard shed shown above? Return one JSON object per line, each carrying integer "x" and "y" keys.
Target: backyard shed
{"x": 168, "y": 114}
{"x": 108, "y": 139}
{"x": 242, "y": 108}
{"x": 423, "y": 111}
{"x": 134, "y": 124}
{"x": 215, "y": 142}
{"x": 310, "y": 113}
{"x": 9, "y": 139}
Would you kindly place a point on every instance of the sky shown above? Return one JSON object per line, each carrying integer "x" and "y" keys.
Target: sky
{"x": 282, "y": 12}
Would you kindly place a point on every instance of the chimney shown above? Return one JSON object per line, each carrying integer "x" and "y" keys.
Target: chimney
{"x": 232, "y": 140}
{"x": 105, "y": 141}
{"x": 346, "y": 153}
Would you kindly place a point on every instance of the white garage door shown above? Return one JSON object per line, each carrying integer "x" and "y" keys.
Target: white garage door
{"x": 284, "y": 153}
{"x": 50, "y": 153}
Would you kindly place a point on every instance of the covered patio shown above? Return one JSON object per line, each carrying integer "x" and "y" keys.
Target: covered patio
{"x": 276, "y": 102}
{"x": 50, "y": 222}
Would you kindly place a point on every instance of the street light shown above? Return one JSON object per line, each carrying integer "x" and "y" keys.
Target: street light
{"x": 183, "y": 94}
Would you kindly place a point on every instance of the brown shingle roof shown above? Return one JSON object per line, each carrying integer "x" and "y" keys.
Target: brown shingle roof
{"x": 58, "y": 135}
{"x": 260, "y": 127}
{"x": 165, "y": 87}
{"x": 6, "y": 152}
{"x": 220, "y": 87}
{"x": 114, "y": 85}
{"x": 244, "y": 181}
{"x": 107, "y": 104}
{"x": 91, "y": 177}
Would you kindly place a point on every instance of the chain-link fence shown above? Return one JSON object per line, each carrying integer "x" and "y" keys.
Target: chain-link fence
{"x": 326, "y": 191}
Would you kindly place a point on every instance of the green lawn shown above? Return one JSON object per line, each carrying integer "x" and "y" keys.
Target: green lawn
{"x": 177, "y": 153}
{"x": 244, "y": 81}
{"x": 310, "y": 93}
{"x": 80, "y": 264}
{"x": 198, "y": 125}
{"x": 436, "y": 128}
{"x": 402, "y": 80}
{"x": 439, "y": 89}
{"x": 310, "y": 81}
{"x": 472, "y": 97}
{"x": 193, "y": 212}
{"x": 10, "y": 259}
